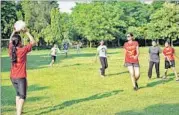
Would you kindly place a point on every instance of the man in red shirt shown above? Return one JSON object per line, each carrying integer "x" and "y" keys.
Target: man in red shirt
{"x": 169, "y": 53}
{"x": 131, "y": 59}
{"x": 18, "y": 74}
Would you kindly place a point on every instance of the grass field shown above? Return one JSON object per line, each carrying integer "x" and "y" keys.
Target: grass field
{"x": 73, "y": 86}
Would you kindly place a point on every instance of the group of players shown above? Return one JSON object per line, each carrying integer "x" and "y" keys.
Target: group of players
{"x": 131, "y": 60}
{"x": 18, "y": 53}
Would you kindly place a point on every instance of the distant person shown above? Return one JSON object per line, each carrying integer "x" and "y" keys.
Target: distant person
{"x": 169, "y": 53}
{"x": 131, "y": 48}
{"x": 78, "y": 47}
{"x": 154, "y": 59}
{"x": 102, "y": 52}
{"x": 54, "y": 52}
{"x": 18, "y": 74}
{"x": 65, "y": 48}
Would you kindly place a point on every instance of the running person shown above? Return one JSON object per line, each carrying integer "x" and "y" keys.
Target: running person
{"x": 54, "y": 52}
{"x": 18, "y": 54}
{"x": 102, "y": 52}
{"x": 169, "y": 53}
{"x": 131, "y": 49}
{"x": 154, "y": 54}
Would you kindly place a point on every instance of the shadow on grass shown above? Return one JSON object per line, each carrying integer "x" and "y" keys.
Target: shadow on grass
{"x": 76, "y": 101}
{"x": 152, "y": 84}
{"x": 113, "y": 74}
{"x": 158, "y": 109}
{"x": 77, "y": 64}
{"x": 161, "y": 81}
{"x": 8, "y": 94}
{"x": 42, "y": 61}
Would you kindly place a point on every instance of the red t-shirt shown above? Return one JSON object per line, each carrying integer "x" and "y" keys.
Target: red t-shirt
{"x": 131, "y": 52}
{"x": 18, "y": 70}
{"x": 169, "y": 52}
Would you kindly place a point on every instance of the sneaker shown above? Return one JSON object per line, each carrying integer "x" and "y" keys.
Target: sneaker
{"x": 164, "y": 77}
{"x": 177, "y": 79}
{"x": 102, "y": 76}
{"x": 136, "y": 84}
{"x": 100, "y": 72}
{"x": 135, "y": 88}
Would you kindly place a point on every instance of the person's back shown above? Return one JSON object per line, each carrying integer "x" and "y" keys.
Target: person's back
{"x": 18, "y": 74}
{"x": 18, "y": 69}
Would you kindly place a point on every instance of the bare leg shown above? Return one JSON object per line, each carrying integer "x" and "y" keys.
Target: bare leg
{"x": 20, "y": 106}
{"x": 165, "y": 75}
{"x": 174, "y": 70}
{"x": 17, "y": 102}
{"x": 131, "y": 71}
{"x": 52, "y": 62}
{"x": 137, "y": 73}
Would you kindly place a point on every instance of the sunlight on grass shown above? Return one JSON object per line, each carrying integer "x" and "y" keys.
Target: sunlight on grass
{"x": 73, "y": 86}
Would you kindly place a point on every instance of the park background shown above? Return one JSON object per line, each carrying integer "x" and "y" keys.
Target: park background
{"x": 73, "y": 85}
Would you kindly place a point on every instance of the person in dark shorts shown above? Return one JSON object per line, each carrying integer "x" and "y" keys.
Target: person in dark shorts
{"x": 54, "y": 52}
{"x": 18, "y": 54}
{"x": 131, "y": 49}
{"x": 102, "y": 52}
{"x": 169, "y": 54}
{"x": 154, "y": 54}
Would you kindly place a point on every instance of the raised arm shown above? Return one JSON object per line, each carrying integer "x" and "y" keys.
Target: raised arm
{"x": 10, "y": 40}
{"x": 32, "y": 41}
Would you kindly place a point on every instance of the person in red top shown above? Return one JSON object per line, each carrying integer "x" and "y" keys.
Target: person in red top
{"x": 169, "y": 54}
{"x": 131, "y": 49}
{"x": 18, "y": 74}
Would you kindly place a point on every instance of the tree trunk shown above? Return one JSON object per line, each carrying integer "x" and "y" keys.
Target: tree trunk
{"x": 118, "y": 42}
{"x": 90, "y": 44}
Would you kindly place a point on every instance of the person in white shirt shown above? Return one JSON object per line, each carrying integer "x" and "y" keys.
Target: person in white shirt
{"x": 54, "y": 52}
{"x": 102, "y": 52}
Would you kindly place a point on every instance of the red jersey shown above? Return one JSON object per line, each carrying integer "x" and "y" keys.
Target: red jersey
{"x": 131, "y": 52}
{"x": 18, "y": 70}
{"x": 169, "y": 52}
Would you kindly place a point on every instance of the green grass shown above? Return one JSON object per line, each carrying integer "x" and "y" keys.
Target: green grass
{"x": 73, "y": 87}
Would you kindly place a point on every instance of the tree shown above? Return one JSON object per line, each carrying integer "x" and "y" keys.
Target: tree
{"x": 164, "y": 22}
{"x": 97, "y": 21}
{"x": 8, "y": 18}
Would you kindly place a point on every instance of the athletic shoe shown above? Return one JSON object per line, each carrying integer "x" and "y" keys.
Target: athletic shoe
{"x": 177, "y": 79}
{"x": 136, "y": 84}
{"x": 100, "y": 72}
{"x": 135, "y": 88}
{"x": 102, "y": 76}
{"x": 164, "y": 77}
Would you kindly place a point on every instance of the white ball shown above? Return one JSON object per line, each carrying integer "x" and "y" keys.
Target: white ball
{"x": 19, "y": 25}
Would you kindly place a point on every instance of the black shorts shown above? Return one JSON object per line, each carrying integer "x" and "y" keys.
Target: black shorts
{"x": 20, "y": 86}
{"x": 132, "y": 64}
{"x": 54, "y": 58}
{"x": 168, "y": 64}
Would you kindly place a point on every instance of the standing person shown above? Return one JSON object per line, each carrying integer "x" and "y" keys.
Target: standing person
{"x": 131, "y": 49}
{"x": 65, "y": 48}
{"x": 102, "y": 52}
{"x": 78, "y": 47}
{"x": 54, "y": 52}
{"x": 169, "y": 54}
{"x": 18, "y": 74}
{"x": 154, "y": 54}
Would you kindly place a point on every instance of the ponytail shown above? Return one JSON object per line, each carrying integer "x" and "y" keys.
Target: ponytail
{"x": 16, "y": 39}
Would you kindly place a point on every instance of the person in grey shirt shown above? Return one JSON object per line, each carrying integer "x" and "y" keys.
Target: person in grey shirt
{"x": 154, "y": 54}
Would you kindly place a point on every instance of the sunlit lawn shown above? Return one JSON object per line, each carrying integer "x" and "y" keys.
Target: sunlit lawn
{"x": 73, "y": 86}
